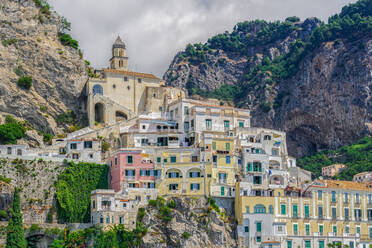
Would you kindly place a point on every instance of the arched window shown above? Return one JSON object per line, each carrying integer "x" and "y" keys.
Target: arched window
{"x": 259, "y": 209}
{"x": 271, "y": 209}
{"x": 97, "y": 89}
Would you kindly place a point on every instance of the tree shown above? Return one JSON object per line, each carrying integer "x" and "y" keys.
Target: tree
{"x": 15, "y": 235}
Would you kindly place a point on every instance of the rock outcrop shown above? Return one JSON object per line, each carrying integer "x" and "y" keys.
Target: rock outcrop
{"x": 325, "y": 104}
{"x": 30, "y": 46}
{"x": 193, "y": 224}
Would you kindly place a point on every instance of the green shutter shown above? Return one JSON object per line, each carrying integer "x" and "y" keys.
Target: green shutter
{"x": 335, "y": 230}
{"x": 222, "y": 190}
{"x": 158, "y": 159}
{"x": 214, "y": 145}
{"x": 307, "y": 229}
{"x": 173, "y": 159}
{"x": 259, "y": 227}
{"x": 307, "y": 244}
{"x": 282, "y": 209}
{"x": 228, "y": 146}
{"x": 307, "y": 211}
{"x": 321, "y": 228}
{"x": 130, "y": 159}
{"x": 295, "y": 212}
{"x": 295, "y": 229}
{"x": 321, "y": 243}
{"x": 289, "y": 244}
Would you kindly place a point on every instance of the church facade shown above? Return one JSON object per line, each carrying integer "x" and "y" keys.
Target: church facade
{"x": 118, "y": 94}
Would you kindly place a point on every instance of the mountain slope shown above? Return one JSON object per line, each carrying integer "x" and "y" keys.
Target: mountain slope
{"x": 30, "y": 47}
{"x": 310, "y": 79}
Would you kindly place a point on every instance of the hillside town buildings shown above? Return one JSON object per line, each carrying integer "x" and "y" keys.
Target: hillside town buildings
{"x": 167, "y": 145}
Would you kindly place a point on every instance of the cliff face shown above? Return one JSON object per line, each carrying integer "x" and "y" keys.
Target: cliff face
{"x": 193, "y": 224}
{"x": 326, "y": 103}
{"x": 31, "y": 47}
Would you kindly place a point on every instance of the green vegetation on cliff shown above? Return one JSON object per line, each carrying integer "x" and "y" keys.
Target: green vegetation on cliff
{"x": 11, "y": 131}
{"x": 353, "y": 23}
{"x": 357, "y": 158}
{"x": 73, "y": 189}
{"x": 15, "y": 235}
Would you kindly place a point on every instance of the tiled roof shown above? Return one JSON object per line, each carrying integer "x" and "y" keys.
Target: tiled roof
{"x": 131, "y": 73}
{"x": 336, "y": 184}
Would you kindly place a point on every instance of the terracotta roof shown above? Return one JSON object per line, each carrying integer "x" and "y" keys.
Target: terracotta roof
{"x": 131, "y": 73}
{"x": 335, "y": 184}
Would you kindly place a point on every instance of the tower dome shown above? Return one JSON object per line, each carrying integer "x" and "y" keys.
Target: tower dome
{"x": 118, "y": 43}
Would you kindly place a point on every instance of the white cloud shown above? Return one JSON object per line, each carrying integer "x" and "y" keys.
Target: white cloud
{"x": 155, "y": 30}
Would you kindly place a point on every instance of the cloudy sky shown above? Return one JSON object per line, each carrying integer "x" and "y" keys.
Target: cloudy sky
{"x": 155, "y": 30}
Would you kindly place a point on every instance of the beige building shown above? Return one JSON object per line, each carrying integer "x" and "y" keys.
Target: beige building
{"x": 332, "y": 170}
{"x": 363, "y": 177}
{"x": 117, "y": 94}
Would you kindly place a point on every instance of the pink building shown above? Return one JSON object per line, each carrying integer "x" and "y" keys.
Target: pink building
{"x": 133, "y": 168}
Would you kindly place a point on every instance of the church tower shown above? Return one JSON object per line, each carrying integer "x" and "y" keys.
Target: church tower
{"x": 119, "y": 60}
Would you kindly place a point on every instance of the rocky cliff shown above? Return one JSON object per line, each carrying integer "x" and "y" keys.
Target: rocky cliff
{"x": 193, "y": 223}
{"x": 309, "y": 79}
{"x": 30, "y": 47}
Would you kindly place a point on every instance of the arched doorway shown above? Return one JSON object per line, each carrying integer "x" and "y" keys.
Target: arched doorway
{"x": 99, "y": 113}
{"x": 120, "y": 116}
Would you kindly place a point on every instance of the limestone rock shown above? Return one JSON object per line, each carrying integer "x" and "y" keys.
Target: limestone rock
{"x": 30, "y": 46}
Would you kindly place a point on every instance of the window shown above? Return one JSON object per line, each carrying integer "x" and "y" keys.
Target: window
{"x": 208, "y": 124}
{"x": 125, "y": 79}
{"x": 227, "y": 145}
{"x": 282, "y": 209}
{"x": 73, "y": 146}
{"x": 88, "y": 144}
{"x": 369, "y": 214}
{"x": 334, "y": 229}
{"x": 192, "y": 123}
{"x": 333, "y": 196}
{"x": 358, "y": 214}
{"x": 249, "y": 167}
{"x": 295, "y": 229}
{"x": 173, "y": 186}
{"x": 357, "y": 200}
{"x": 226, "y": 125}
{"x": 101, "y": 220}
{"x": 295, "y": 211}
{"x": 258, "y": 239}
{"x": 320, "y": 212}
{"x": 227, "y": 159}
{"x": 307, "y": 211}
{"x": 307, "y": 229}
{"x": 257, "y": 180}
{"x": 271, "y": 209}
{"x": 214, "y": 145}
{"x": 370, "y": 232}
{"x": 257, "y": 166}
{"x": 173, "y": 174}
{"x": 97, "y": 90}
{"x": 130, "y": 173}
{"x": 173, "y": 159}
{"x": 194, "y": 174}
{"x": 121, "y": 220}
{"x": 346, "y": 213}
{"x": 307, "y": 244}
{"x": 358, "y": 229}
{"x": 129, "y": 159}
{"x": 241, "y": 123}
{"x": 139, "y": 80}
{"x": 186, "y": 126}
{"x": 258, "y": 226}
{"x": 214, "y": 158}
{"x": 194, "y": 158}
{"x": 176, "y": 111}
{"x": 321, "y": 229}
{"x": 222, "y": 190}
{"x": 186, "y": 110}
{"x": 116, "y": 161}
{"x": 108, "y": 219}
{"x": 334, "y": 213}
{"x": 347, "y": 229}
{"x": 194, "y": 186}
{"x": 246, "y": 229}
{"x": 247, "y": 210}
{"x": 321, "y": 243}
{"x": 94, "y": 204}
{"x": 267, "y": 137}
{"x": 289, "y": 243}
{"x": 259, "y": 209}
{"x": 320, "y": 194}
{"x": 351, "y": 244}
{"x": 369, "y": 199}
{"x": 346, "y": 197}
{"x": 158, "y": 159}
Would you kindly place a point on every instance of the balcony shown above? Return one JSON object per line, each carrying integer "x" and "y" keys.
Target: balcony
{"x": 130, "y": 178}
{"x": 332, "y": 234}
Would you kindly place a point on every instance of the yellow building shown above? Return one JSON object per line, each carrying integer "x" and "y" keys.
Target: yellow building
{"x": 326, "y": 212}
{"x": 220, "y": 150}
{"x": 183, "y": 172}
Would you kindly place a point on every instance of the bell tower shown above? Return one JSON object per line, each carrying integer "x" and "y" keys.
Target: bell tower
{"x": 119, "y": 60}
